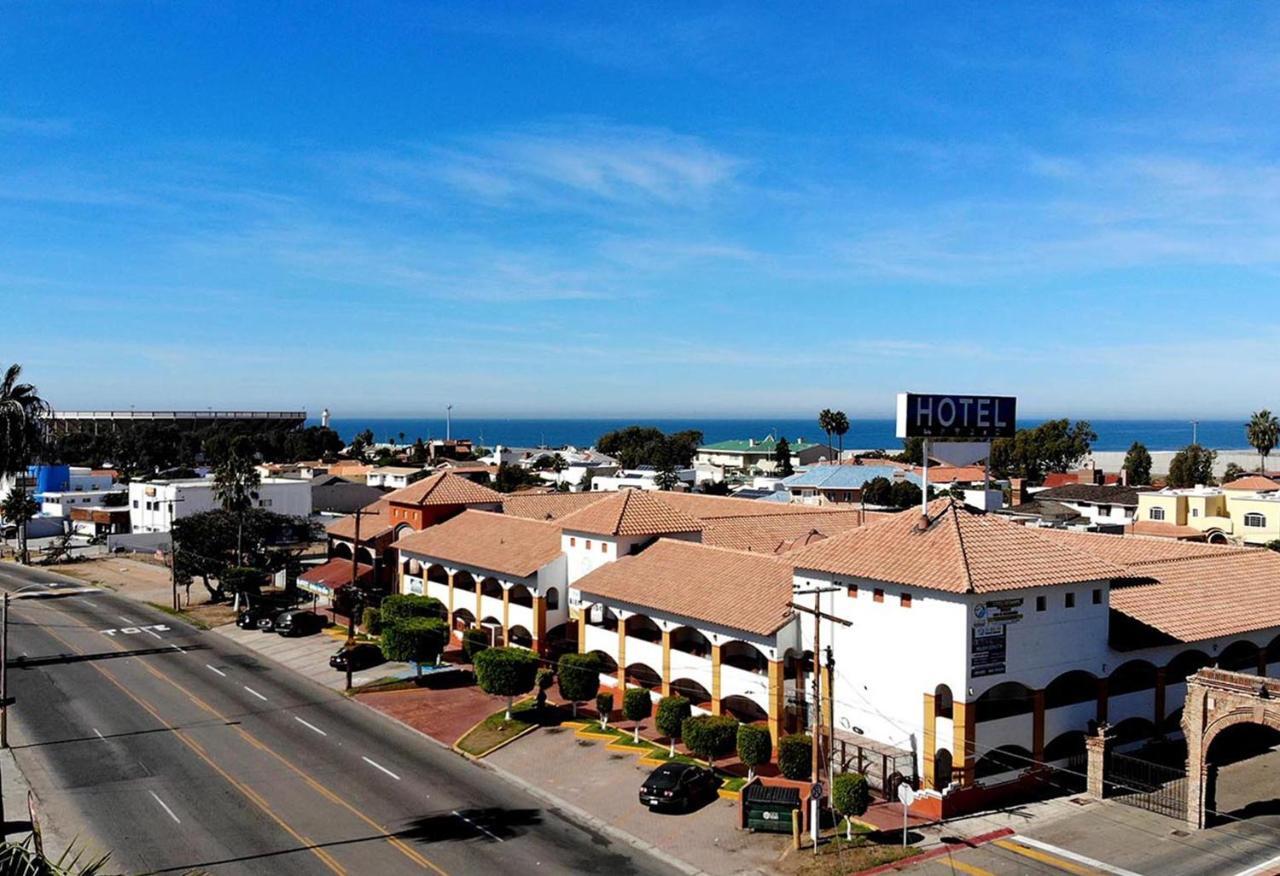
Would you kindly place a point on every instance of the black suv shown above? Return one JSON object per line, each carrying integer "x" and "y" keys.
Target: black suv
{"x": 678, "y": 786}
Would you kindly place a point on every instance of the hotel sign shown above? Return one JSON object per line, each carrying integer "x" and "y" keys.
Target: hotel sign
{"x": 983, "y": 417}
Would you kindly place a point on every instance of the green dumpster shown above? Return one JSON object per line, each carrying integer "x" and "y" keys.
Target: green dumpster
{"x": 769, "y": 808}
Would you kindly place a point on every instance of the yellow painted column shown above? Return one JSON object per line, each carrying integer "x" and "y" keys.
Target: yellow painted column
{"x": 539, "y": 622}
{"x": 666, "y": 663}
{"x": 930, "y": 740}
{"x": 715, "y": 679}
{"x": 479, "y": 603}
{"x": 506, "y": 616}
{"x": 777, "y": 699}
{"x": 622, "y": 654}
{"x": 964, "y": 725}
{"x": 580, "y": 615}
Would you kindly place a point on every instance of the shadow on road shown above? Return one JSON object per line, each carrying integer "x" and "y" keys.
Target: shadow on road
{"x": 54, "y": 659}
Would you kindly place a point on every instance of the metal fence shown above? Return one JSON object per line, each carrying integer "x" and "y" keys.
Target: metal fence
{"x": 1151, "y": 786}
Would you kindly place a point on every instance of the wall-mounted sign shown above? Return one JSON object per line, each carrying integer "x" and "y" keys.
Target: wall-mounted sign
{"x": 988, "y": 649}
{"x": 956, "y": 416}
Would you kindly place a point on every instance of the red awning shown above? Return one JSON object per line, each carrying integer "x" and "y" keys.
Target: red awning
{"x": 335, "y": 574}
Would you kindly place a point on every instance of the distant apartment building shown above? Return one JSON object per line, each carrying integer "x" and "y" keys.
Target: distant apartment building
{"x": 394, "y": 477}
{"x": 154, "y": 505}
{"x": 1246, "y": 510}
{"x": 752, "y": 455}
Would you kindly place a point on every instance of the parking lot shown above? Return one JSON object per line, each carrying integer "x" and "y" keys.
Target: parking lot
{"x": 606, "y": 783}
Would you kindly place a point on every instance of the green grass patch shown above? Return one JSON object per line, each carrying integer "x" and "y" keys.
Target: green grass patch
{"x": 838, "y": 856}
{"x": 496, "y": 729}
{"x": 182, "y": 616}
{"x": 733, "y": 783}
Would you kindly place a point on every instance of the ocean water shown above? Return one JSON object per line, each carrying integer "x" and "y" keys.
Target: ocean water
{"x": 863, "y": 434}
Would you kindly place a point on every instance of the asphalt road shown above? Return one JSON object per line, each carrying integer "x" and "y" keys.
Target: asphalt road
{"x": 176, "y": 749}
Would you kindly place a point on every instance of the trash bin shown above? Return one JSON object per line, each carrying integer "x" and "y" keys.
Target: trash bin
{"x": 769, "y": 808}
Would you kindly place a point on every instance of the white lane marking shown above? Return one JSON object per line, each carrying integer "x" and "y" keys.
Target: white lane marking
{"x": 1264, "y": 867}
{"x": 165, "y": 807}
{"x": 213, "y": 669}
{"x": 131, "y": 623}
{"x": 478, "y": 827}
{"x": 99, "y": 732}
{"x": 255, "y": 693}
{"x": 178, "y": 648}
{"x": 309, "y": 726}
{"x": 152, "y": 632}
{"x": 379, "y": 766}
{"x": 1069, "y": 855}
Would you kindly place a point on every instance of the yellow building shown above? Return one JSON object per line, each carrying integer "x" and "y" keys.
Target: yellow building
{"x": 1245, "y": 511}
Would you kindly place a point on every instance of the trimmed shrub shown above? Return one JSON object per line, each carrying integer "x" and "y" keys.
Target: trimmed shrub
{"x": 795, "y": 756}
{"x": 672, "y": 712}
{"x": 506, "y": 672}
{"x": 417, "y": 640}
{"x": 710, "y": 736}
{"x": 579, "y": 677}
{"x": 754, "y": 747}
{"x": 403, "y": 606}
{"x": 604, "y": 707}
{"x": 371, "y": 621}
{"x": 474, "y": 641}
{"x": 850, "y": 796}
{"x": 637, "y": 704}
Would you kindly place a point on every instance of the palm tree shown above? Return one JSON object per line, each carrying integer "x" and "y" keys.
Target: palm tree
{"x": 19, "y": 507}
{"x": 840, "y": 425}
{"x": 827, "y": 423}
{"x": 22, "y": 432}
{"x": 1263, "y": 431}
{"x": 233, "y": 483}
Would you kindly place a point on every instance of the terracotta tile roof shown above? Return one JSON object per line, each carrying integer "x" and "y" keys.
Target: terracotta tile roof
{"x": 336, "y": 572}
{"x": 961, "y": 551}
{"x": 953, "y": 474}
{"x": 1252, "y": 482}
{"x": 779, "y": 533}
{"x": 443, "y": 488}
{"x": 486, "y": 540}
{"x": 376, "y": 522}
{"x": 1094, "y": 493}
{"x": 549, "y": 506}
{"x": 1157, "y": 529}
{"x": 630, "y": 512}
{"x": 748, "y": 592}
{"x": 1135, "y": 550}
{"x": 705, "y": 507}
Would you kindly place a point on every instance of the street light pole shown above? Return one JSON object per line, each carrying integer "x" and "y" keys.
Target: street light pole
{"x": 4, "y": 673}
{"x": 351, "y": 609}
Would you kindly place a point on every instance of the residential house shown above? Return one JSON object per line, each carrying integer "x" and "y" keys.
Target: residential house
{"x": 743, "y": 456}
{"x": 840, "y": 484}
{"x": 394, "y": 477}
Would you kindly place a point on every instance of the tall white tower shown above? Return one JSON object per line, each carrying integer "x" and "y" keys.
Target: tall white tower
{"x": 324, "y": 418}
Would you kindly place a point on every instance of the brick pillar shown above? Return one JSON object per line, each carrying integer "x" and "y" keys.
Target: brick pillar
{"x": 539, "y": 623}
{"x": 930, "y": 740}
{"x": 1102, "y": 701}
{"x": 666, "y": 663}
{"x": 622, "y": 654}
{"x": 715, "y": 679}
{"x": 964, "y": 723}
{"x": 506, "y": 616}
{"x": 777, "y": 699}
{"x": 1095, "y": 748}
{"x": 1037, "y": 726}
{"x": 1158, "y": 718}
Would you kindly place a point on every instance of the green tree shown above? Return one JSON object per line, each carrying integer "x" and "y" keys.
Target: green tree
{"x": 637, "y": 704}
{"x": 840, "y": 426}
{"x": 672, "y": 712}
{"x": 506, "y": 672}
{"x": 1192, "y": 465}
{"x": 754, "y": 747}
{"x": 709, "y": 736}
{"x": 1232, "y": 472}
{"x": 782, "y": 458}
{"x": 402, "y": 606}
{"x": 905, "y": 494}
{"x": 644, "y": 445}
{"x": 827, "y": 423}
{"x": 210, "y": 542}
{"x": 1052, "y": 446}
{"x": 474, "y": 640}
{"x": 18, "y": 508}
{"x": 850, "y": 797}
{"x": 1274, "y": 545}
{"x": 371, "y": 621}
{"x": 667, "y": 479}
{"x": 878, "y": 491}
{"x": 416, "y": 640}
{"x": 234, "y": 481}
{"x": 795, "y": 756}
{"x": 22, "y": 434}
{"x": 1263, "y": 430}
{"x": 604, "y": 707}
{"x": 1137, "y": 465}
{"x": 579, "y": 678}
{"x": 912, "y": 451}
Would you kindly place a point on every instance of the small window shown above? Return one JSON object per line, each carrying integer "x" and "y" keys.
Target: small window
{"x": 1255, "y": 519}
{"x": 604, "y": 547}
{"x": 1157, "y": 514}
{"x": 905, "y": 600}
{"x": 1097, "y": 596}
{"x": 1069, "y": 600}
{"x": 877, "y": 595}
{"x": 853, "y": 591}
{"x": 1041, "y": 603}
{"x": 588, "y": 544}
{"x": 1195, "y": 512}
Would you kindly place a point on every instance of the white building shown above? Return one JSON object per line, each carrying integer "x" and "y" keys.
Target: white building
{"x": 154, "y": 505}
{"x": 1097, "y": 503}
{"x": 394, "y": 477}
{"x": 60, "y": 504}
{"x": 643, "y": 478}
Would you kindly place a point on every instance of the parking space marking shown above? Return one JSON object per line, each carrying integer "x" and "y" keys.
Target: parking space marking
{"x": 379, "y": 766}
{"x": 255, "y": 693}
{"x": 478, "y": 827}
{"x": 1043, "y": 857}
{"x": 214, "y": 669}
{"x": 309, "y": 726}
{"x": 1055, "y": 853}
{"x": 165, "y": 806}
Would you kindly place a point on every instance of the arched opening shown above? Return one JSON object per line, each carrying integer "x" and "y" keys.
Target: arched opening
{"x": 342, "y": 550}
{"x": 797, "y": 672}
{"x": 1132, "y": 677}
{"x": 1065, "y": 746}
{"x": 552, "y": 599}
{"x": 463, "y": 619}
{"x": 1240, "y": 656}
{"x": 494, "y": 626}
{"x": 1172, "y": 723}
{"x": 1273, "y": 653}
{"x": 1005, "y": 759}
{"x": 464, "y": 582}
{"x": 1070, "y": 688}
{"x": 437, "y": 574}
{"x": 401, "y": 531}
{"x": 941, "y": 768}
{"x": 1005, "y": 700}
{"x": 1217, "y": 536}
{"x": 608, "y": 666}
{"x": 744, "y": 655}
{"x": 943, "y": 706}
{"x": 412, "y": 566}
{"x": 643, "y": 675}
{"x": 521, "y": 636}
{"x": 1185, "y": 665}
{"x": 491, "y": 587}
{"x": 692, "y": 691}
{"x": 1133, "y": 730}
{"x": 1241, "y": 760}
{"x": 744, "y": 709}
{"x": 690, "y": 641}
{"x": 520, "y": 595}
{"x": 643, "y": 628}
{"x": 364, "y": 555}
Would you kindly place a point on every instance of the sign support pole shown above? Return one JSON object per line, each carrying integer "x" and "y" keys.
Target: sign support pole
{"x": 924, "y": 486}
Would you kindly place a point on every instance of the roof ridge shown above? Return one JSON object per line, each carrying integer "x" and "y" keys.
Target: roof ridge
{"x": 964, "y": 551}
{"x": 723, "y": 549}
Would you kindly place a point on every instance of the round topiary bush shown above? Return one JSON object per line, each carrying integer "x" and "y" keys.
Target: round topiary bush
{"x": 604, "y": 706}
{"x": 850, "y": 796}
{"x": 754, "y": 747}
{"x": 795, "y": 756}
{"x": 474, "y": 641}
{"x": 506, "y": 672}
{"x": 637, "y": 704}
{"x": 403, "y": 606}
{"x": 579, "y": 678}
{"x": 710, "y": 736}
{"x": 672, "y": 712}
{"x": 417, "y": 640}
{"x": 371, "y": 621}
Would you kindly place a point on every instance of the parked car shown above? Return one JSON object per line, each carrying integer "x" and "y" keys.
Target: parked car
{"x": 362, "y": 656}
{"x": 678, "y": 786}
{"x": 298, "y": 622}
{"x": 267, "y": 622}
{"x": 248, "y": 619}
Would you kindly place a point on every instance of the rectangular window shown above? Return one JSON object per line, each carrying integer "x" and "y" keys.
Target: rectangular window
{"x": 604, "y": 547}
{"x": 573, "y": 542}
{"x": 1097, "y": 596}
{"x": 588, "y": 544}
{"x": 1069, "y": 600}
{"x": 853, "y": 591}
{"x": 1040, "y": 603}
{"x": 905, "y": 600}
{"x": 877, "y": 595}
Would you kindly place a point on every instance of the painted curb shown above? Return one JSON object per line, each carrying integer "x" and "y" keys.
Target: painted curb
{"x": 503, "y": 744}
{"x": 967, "y": 842}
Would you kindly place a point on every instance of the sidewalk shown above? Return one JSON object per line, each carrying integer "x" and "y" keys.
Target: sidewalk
{"x": 309, "y": 655}
{"x": 17, "y": 812}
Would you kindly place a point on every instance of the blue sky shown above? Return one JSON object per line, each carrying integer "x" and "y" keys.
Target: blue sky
{"x": 685, "y": 210}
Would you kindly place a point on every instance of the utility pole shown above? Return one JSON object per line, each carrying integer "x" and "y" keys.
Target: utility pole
{"x": 351, "y": 610}
{"x": 173, "y": 553}
{"x": 4, "y": 673}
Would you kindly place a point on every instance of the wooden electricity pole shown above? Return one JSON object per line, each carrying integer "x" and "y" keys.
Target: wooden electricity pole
{"x": 351, "y": 609}
{"x": 818, "y": 617}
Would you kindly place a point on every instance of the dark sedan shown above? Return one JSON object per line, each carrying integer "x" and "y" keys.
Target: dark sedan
{"x": 678, "y": 786}
{"x": 362, "y": 656}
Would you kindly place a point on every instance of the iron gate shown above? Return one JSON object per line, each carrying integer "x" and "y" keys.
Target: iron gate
{"x": 1146, "y": 785}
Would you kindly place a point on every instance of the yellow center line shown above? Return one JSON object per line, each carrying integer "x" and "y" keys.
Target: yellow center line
{"x": 1045, "y": 858}
{"x": 970, "y": 869}
{"x": 246, "y": 791}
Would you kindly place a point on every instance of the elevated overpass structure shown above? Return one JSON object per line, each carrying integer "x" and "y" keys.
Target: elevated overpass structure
{"x": 96, "y": 421}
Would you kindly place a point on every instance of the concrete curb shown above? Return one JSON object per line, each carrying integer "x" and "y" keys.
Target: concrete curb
{"x": 503, "y": 744}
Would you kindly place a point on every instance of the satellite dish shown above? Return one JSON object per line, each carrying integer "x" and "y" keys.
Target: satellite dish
{"x": 906, "y": 795}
